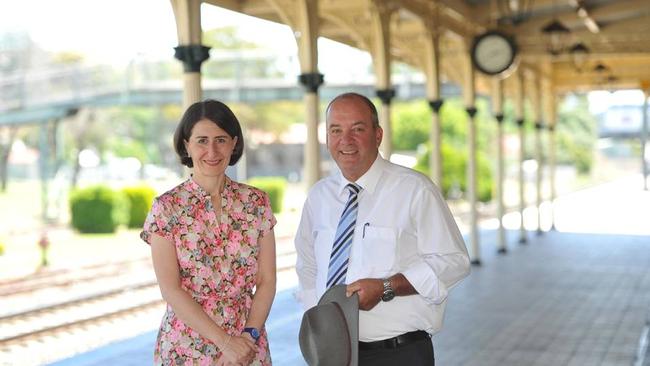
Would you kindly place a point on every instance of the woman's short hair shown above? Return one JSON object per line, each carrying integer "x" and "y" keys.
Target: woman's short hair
{"x": 216, "y": 112}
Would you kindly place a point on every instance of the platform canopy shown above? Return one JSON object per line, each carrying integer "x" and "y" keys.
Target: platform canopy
{"x": 600, "y": 43}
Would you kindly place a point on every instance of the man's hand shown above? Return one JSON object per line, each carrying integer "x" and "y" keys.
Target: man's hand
{"x": 369, "y": 290}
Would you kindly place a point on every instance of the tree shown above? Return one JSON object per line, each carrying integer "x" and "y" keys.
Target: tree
{"x": 234, "y": 64}
{"x": 67, "y": 58}
{"x": 278, "y": 116}
{"x": 454, "y": 168}
{"x": 576, "y": 134}
{"x": 411, "y": 127}
{"x": 134, "y": 131}
{"x": 18, "y": 52}
{"x": 412, "y": 123}
{"x": 145, "y": 133}
{"x": 84, "y": 131}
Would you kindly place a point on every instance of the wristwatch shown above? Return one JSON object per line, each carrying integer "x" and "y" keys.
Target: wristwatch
{"x": 389, "y": 293}
{"x": 253, "y": 332}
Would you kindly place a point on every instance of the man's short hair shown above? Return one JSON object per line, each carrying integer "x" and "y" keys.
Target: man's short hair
{"x": 351, "y": 95}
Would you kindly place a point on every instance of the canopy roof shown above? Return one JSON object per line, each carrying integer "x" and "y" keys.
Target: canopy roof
{"x": 616, "y": 33}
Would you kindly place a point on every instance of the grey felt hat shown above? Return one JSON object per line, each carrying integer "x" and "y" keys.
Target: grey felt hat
{"x": 329, "y": 333}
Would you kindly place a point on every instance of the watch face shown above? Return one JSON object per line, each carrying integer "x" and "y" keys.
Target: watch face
{"x": 493, "y": 53}
{"x": 388, "y": 295}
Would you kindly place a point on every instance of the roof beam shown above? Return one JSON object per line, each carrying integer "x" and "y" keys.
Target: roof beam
{"x": 233, "y": 5}
{"x": 458, "y": 10}
{"x": 570, "y": 18}
{"x": 583, "y": 13}
{"x": 484, "y": 12}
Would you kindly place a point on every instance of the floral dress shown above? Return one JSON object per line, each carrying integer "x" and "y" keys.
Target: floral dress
{"x": 217, "y": 259}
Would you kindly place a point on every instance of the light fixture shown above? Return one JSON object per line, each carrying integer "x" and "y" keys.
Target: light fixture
{"x": 515, "y": 11}
{"x": 611, "y": 81}
{"x": 579, "y": 54}
{"x": 601, "y": 70}
{"x": 558, "y": 35}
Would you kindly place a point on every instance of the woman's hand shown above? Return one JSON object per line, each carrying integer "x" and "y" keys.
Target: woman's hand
{"x": 238, "y": 350}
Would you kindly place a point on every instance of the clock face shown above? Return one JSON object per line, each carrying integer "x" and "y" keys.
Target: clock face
{"x": 493, "y": 53}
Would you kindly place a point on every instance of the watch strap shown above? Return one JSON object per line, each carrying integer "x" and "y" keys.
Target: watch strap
{"x": 386, "y": 283}
{"x": 255, "y": 334}
{"x": 388, "y": 293}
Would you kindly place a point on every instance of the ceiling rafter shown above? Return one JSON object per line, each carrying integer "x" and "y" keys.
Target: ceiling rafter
{"x": 349, "y": 26}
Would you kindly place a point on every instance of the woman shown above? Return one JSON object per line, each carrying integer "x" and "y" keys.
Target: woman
{"x": 213, "y": 250}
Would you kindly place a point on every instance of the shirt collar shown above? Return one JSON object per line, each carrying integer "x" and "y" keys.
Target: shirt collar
{"x": 368, "y": 181}
{"x": 195, "y": 189}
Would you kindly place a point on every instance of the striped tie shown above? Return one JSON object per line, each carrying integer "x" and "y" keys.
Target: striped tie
{"x": 338, "y": 266}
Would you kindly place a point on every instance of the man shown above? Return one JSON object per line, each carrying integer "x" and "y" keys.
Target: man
{"x": 389, "y": 235}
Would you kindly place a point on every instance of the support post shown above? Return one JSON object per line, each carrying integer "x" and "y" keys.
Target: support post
{"x": 381, "y": 13}
{"x": 497, "y": 107}
{"x": 311, "y": 82}
{"x": 432, "y": 72}
{"x": 469, "y": 96}
{"x": 539, "y": 128}
{"x": 471, "y": 185}
{"x": 644, "y": 137}
{"x": 306, "y": 37}
{"x": 520, "y": 118}
{"x": 190, "y": 50}
{"x": 552, "y": 156}
{"x": 45, "y": 156}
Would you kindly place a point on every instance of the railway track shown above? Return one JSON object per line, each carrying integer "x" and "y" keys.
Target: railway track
{"x": 61, "y": 313}
{"x": 44, "y": 320}
{"x": 47, "y": 333}
{"x": 66, "y": 277}
{"x": 64, "y": 340}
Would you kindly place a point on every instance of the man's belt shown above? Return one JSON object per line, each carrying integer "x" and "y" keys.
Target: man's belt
{"x": 395, "y": 342}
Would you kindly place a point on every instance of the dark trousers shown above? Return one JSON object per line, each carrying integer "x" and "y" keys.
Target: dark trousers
{"x": 418, "y": 353}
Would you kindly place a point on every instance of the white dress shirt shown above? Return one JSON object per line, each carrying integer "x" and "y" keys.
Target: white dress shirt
{"x": 403, "y": 226}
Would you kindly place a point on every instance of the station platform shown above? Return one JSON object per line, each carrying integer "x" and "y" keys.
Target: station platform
{"x": 578, "y": 295}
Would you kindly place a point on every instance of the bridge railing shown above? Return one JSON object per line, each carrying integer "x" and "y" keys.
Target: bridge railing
{"x": 41, "y": 95}
{"x": 52, "y": 86}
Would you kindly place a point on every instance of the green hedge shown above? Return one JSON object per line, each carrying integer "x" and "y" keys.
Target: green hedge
{"x": 98, "y": 209}
{"x": 140, "y": 199}
{"x": 274, "y": 186}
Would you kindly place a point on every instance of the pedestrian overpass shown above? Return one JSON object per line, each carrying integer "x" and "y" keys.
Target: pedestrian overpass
{"x": 57, "y": 93}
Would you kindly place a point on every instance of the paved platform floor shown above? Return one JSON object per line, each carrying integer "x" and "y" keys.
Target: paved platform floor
{"x": 568, "y": 297}
{"x": 561, "y": 299}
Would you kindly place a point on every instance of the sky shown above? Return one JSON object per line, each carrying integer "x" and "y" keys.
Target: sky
{"x": 117, "y": 31}
{"x": 99, "y": 29}
{"x": 600, "y": 100}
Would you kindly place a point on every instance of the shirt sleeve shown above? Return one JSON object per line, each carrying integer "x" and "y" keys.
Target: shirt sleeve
{"x": 157, "y": 222}
{"x": 442, "y": 259}
{"x": 306, "y": 260}
{"x": 268, "y": 220}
